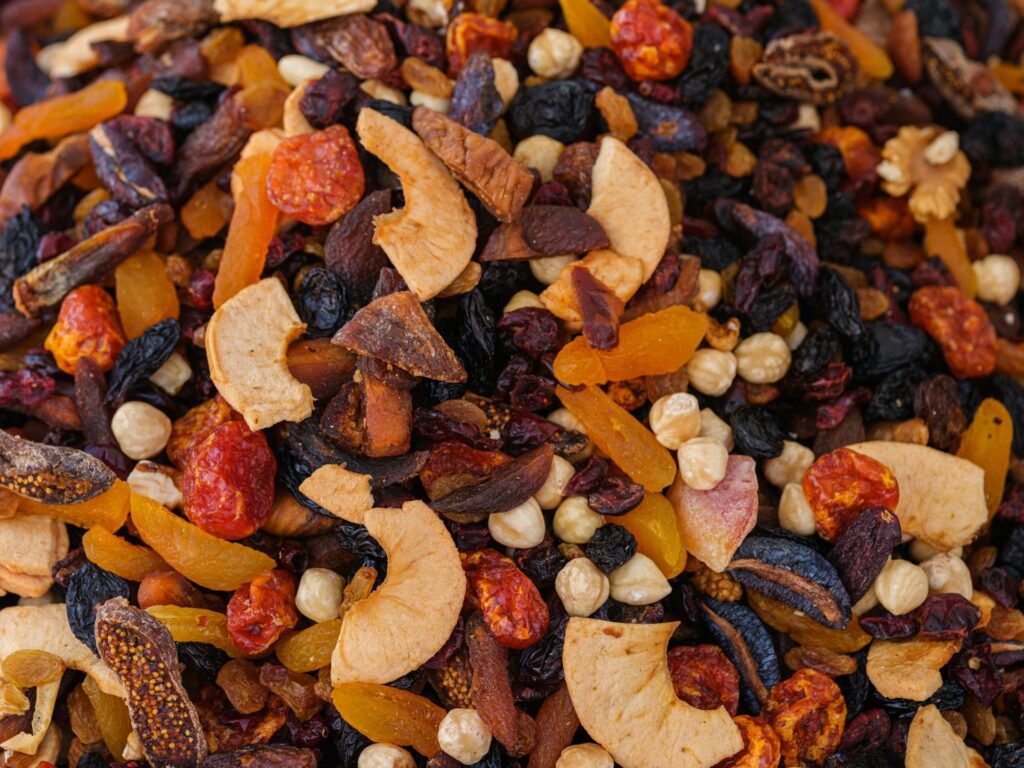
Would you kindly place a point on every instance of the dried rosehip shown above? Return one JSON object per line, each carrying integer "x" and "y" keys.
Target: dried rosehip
{"x": 761, "y": 747}
{"x": 808, "y": 712}
{"x": 842, "y": 484}
{"x": 469, "y": 32}
{"x": 262, "y": 610}
{"x": 228, "y": 481}
{"x": 959, "y": 325}
{"x": 511, "y": 605}
{"x": 703, "y": 677}
{"x": 652, "y": 41}
{"x": 197, "y": 423}
{"x": 316, "y": 177}
{"x": 87, "y": 326}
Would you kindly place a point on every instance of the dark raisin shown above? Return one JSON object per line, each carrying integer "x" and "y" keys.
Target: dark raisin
{"x": 671, "y": 128}
{"x": 884, "y": 347}
{"x": 323, "y": 100}
{"x": 531, "y": 330}
{"x": 615, "y": 496}
{"x": 475, "y": 341}
{"x": 559, "y": 109}
{"x": 707, "y": 67}
{"x": 611, "y": 546}
{"x": 838, "y": 303}
{"x": 947, "y": 616}
{"x": 935, "y": 18}
{"x": 769, "y": 306}
{"x": 756, "y": 432}
{"x": 141, "y": 357}
{"x": 714, "y": 253}
{"x": 1001, "y": 585}
{"x": 1008, "y": 755}
{"x": 862, "y": 550}
{"x": 936, "y": 400}
{"x": 476, "y": 103}
{"x": 815, "y": 352}
{"x": 87, "y": 587}
{"x": 203, "y": 658}
{"x": 323, "y": 302}
{"x": 542, "y": 562}
{"x": 882, "y": 625}
{"x": 19, "y": 244}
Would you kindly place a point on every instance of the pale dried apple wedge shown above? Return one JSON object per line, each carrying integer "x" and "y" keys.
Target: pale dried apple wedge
{"x": 289, "y": 13}
{"x": 431, "y": 240}
{"x": 342, "y": 493}
{"x": 412, "y": 614}
{"x": 247, "y": 347}
{"x": 619, "y": 683}
{"x": 932, "y": 741}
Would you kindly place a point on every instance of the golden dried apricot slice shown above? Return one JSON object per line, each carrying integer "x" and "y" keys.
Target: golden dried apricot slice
{"x": 987, "y": 443}
{"x": 383, "y": 713}
{"x": 111, "y": 716}
{"x": 114, "y": 554}
{"x": 310, "y": 649}
{"x": 109, "y": 510}
{"x": 654, "y": 526}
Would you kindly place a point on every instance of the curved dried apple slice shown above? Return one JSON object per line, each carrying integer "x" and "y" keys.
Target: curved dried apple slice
{"x": 247, "y": 348}
{"x": 619, "y": 683}
{"x": 342, "y": 493}
{"x": 411, "y": 615}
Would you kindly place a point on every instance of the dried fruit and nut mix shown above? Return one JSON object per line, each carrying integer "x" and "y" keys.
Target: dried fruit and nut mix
{"x": 521, "y": 384}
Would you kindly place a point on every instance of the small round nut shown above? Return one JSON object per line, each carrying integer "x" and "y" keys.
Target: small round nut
{"x": 790, "y": 465}
{"x": 638, "y": 582}
{"x": 575, "y": 522}
{"x": 384, "y": 755}
{"x": 582, "y": 587}
{"x": 521, "y": 527}
{"x": 711, "y": 371}
{"x": 762, "y": 358}
{"x": 154, "y": 103}
{"x": 436, "y": 103}
{"x": 998, "y": 278}
{"x": 548, "y": 269}
{"x": 521, "y": 300}
{"x": 794, "y": 512}
{"x": 464, "y": 735}
{"x": 709, "y": 288}
{"x": 584, "y": 756}
{"x": 716, "y": 428}
{"x": 506, "y": 79}
{"x": 141, "y": 430}
{"x": 296, "y": 69}
{"x": 948, "y": 573}
{"x": 319, "y": 595}
{"x": 554, "y": 54}
{"x": 157, "y": 482}
{"x": 539, "y": 152}
{"x": 674, "y": 419}
{"x": 703, "y": 462}
{"x": 901, "y": 586}
{"x": 550, "y": 494}
{"x": 173, "y": 374}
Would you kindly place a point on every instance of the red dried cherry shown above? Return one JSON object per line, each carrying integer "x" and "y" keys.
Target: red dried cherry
{"x": 703, "y": 677}
{"x": 88, "y": 326}
{"x": 514, "y": 611}
{"x": 808, "y": 712}
{"x": 470, "y": 32}
{"x": 262, "y": 610}
{"x": 652, "y": 41}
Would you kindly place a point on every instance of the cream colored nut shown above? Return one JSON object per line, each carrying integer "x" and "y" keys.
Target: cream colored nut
{"x": 575, "y": 522}
{"x": 550, "y": 494}
{"x": 418, "y": 98}
{"x": 548, "y": 269}
{"x": 521, "y": 527}
{"x": 428, "y": 13}
{"x": 709, "y": 288}
{"x": 154, "y": 103}
{"x": 807, "y": 119}
{"x": 539, "y": 152}
{"x": 522, "y": 300}
{"x": 790, "y": 465}
{"x": 564, "y": 418}
{"x": 866, "y": 603}
{"x": 157, "y": 482}
{"x": 582, "y": 587}
{"x": 638, "y": 582}
{"x": 943, "y": 148}
{"x": 292, "y": 13}
{"x": 319, "y": 595}
{"x": 173, "y": 374}
{"x": 584, "y": 756}
{"x": 702, "y": 462}
{"x": 141, "y": 430}
{"x": 762, "y": 358}
{"x": 794, "y": 512}
{"x": 674, "y": 419}
{"x": 464, "y": 735}
{"x": 554, "y": 54}
{"x": 384, "y": 755}
{"x": 920, "y": 550}
{"x": 948, "y": 573}
{"x": 714, "y": 427}
{"x": 796, "y": 336}
{"x": 297, "y": 69}
{"x": 998, "y": 278}
{"x": 901, "y": 586}
{"x": 382, "y": 91}
{"x": 711, "y": 371}
{"x": 76, "y": 54}
{"x": 506, "y": 79}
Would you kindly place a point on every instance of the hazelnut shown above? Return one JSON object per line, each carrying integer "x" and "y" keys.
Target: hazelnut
{"x": 539, "y": 152}
{"x": 794, "y": 512}
{"x": 319, "y": 595}
{"x": 711, "y": 372}
{"x": 156, "y": 482}
{"x": 152, "y": 103}
{"x": 674, "y": 419}
{"x": 716, "y": 428}
{"x": 702, "y": 463}
{"x": 901, "y": 586}
{"x": 921, "y": 550}
{"x": 172, "y": 375}
{"x": 297, "y": 69}
{"x": 384, "y": 755}
{"x": 548, "y": 269}
{"x": 521, "y": 300}
{"x": 762, "y": 358}
{"x": 521, "y": 527}
{"x": 436, "y": 103}
{"x": 709, "y": 288}
{"x": 790, "y": 465}
{"x": 584, "y": 756}
{"x": 550, "y": 494}
{"x": 582, "y": 587}
{"x": 506, "y": 79}
{"x": 140, "y": 429}
{"x": 948, "y": 573}
{"x": 554, "y": 54}
{"x": 638, "y": 582}
{"x": 464, "y": 735}
{"x": 574, "y": 521}
{"x": 998, "y": 278}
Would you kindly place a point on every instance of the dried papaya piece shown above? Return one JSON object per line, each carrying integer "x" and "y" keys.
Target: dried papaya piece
{"x": 586, "y": 23}
{"x": 114, "y": 554}
{"x": 941, "y": 239}
{"x": 145, "y": 294}
{"x": 207, "y": 211}
{"x": 987, "y": 443}
{"x": 654, "y": 526}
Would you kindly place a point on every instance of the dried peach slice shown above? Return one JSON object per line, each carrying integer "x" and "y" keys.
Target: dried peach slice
{"x": 620, "y": 685}
{"x": 247, "y": 347}
{"x": 411, "y": 615}
{"x": 431, "y": 240}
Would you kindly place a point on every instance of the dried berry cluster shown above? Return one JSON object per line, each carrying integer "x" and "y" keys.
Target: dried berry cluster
{"x": 536, "y": 384}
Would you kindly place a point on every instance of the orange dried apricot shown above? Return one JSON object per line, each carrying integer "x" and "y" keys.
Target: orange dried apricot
{"x": 196, "y": 625}
{"x": 145, "y": 294}
{"x": 168, "y": 587}
{"x": 207, "y": 211}
{"x": 383, "y": 713}
{"x": 127, "y": 560}
{"x": 941, "y": 239}
{"x": 872, "y": 59}
{"x": 653, "y": 525}
{"x": 311, "y": 648}
{"x": 87, "y": 326}
{"x": 264, "y": 91}
{"x": 860, "y": 156}
{"x": 108, "y": 510}
{"x": 987, "y": 443}
{"x": 586, "y": 23}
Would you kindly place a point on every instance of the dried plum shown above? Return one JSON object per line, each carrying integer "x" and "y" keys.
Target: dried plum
{"x": 559, "y": 109}
{"x": 863, "y": 549}
{"x": 87, "y": 588}
{"x": 141, "y": 357}
{"x": 610, "y": 547}
{"x": 746, "y": 642}
{"x": 757, "y": 433}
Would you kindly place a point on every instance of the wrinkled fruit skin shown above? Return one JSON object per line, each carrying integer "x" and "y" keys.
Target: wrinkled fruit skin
{"x": 704, "y": 678}
{"x": 761, "y": 746}
{"x": 197, "y": 423}
{"x": 960, "y": 326}
{"x": 514, "y": 611}
{"x": 228, "y": 482}
{"x": 469, "y": 32}
{"x": 262, "y": 610}
{"x": 808, "y": 712}
{"x": 842, "y": 484}
{"x": 652, "y": 41}
{"x": 87, "y": 326}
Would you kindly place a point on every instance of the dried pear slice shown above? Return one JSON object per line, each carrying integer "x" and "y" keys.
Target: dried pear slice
{"x": 289, "y": 13}
{"x": 619, "y": 683}
{"x": 247, "y": 347}
{"x": 431, "y": 240}
{"x": 46, "y": 700}
{"x": 412, "y": 614}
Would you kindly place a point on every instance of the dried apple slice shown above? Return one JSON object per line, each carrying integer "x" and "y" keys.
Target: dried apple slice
{"x": 247, "y": 347}
{"x": 619, "y": 683}
{"x": 30, "y": 545}
{"x": 342, "y": 493}
{"x": 630, "y": 204}
{"x": 411, "y": 615}
{"x": 432, "y": 239}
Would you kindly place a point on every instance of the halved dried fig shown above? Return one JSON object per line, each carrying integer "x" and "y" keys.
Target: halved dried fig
{"x": 412, "y": 614}
{"x": 342, "y": 493}
{"x": 247, "y": 347}
{"x": 51, "y": 474}
{"x": 507, "y": 487}
{"x": 431, "y": 240}
{"x": 620, "y": 685}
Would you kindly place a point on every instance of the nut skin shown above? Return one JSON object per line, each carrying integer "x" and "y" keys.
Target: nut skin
{"x": 711, "y": 425}
{"x": 464, "y": 735}
{"x": 584, "y": 756}
{"x": 790, "y": 465}
{"x": 539, "y": 152}
{"x": 551, "y": 493}
{"x": 173, "y": 374}
{"x": 582, "y": 587}
{"x": 711, "y": 372}
{"x": 638, "y": 582}
{"x": 554, "y": 54}
{"x": 762, "y": 358}
{"x": 901, "y": 586}
{"x": 141, "y": 430}
{"x": 795, "y": 513}
{"x": 998, "y": 278}
{"x": 674, "y": 419}
{"x": 948, "y": 573}
{"x": 703, "y": 462}
{"x": 575, "y": 522}
{"x": 384, "y": 755}
{"x": 521, "y": 527}
{"x": 319, "y": 595}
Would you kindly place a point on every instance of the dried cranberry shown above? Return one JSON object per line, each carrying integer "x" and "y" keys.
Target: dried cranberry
{"x": 324, "y": 99}
{"x": 25, "y": 388}
{"x": 882, "y": 625}
{"x": 531, "y": 330}
{"x": 868, "y": 730}
{"x": 532, "y": 393}
{"x": 200, "y": 288}
{"x": 947, "y": 616}
{"x": 524, "y": 431}
{"x": 975, "y": 671}
{"x": 588, "y": 477}
{"x": 1001, "y": 586}
{"x": 615, "y": 496}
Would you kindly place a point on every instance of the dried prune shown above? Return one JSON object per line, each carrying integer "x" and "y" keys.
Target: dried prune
{"x": 141, "y": 357}
{"x": 559, "y": 109}
{"x": 863, "y": 549}
{"x": 610, "y": 547}
{"x": 937, "y": 401}
{"x": 87, "y": 588}
{"x": 749, "y": 647}
{"x": 672, "y": 129}
{"x": 476, "y": 103}
{"x": 756, "y": 431}
{"x": 323, "y": 302}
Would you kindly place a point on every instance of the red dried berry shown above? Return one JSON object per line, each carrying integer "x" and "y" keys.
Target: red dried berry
{"x": 470, "y": 32}
{"x": 88, "y": 326}
{"x": 960, "y": 326}
{"x": 514, "y": 611}
{"x": 262, "y": 610}
{"x": 808, "y": 712}
{"x": 703, "y": 677}
{"x": 652, "y": 41}
{"x": 842, "y": 484}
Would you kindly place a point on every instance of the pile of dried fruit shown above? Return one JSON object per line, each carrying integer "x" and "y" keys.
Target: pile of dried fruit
{"x": 523, "y": 384}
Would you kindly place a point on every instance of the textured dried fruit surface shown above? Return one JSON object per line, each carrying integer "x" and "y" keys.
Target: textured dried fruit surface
{"x": 908, "y": 669}
{"x": 704, "y": 678}
{"x": 808, "y": 712}
{"x": 842, "y": 484}
{"x": 873, "y": 60}
{"x": 653, "y": 344}
{"x": 196, "y": 625}
{"x": 586, "y": 23}
{"x": 382, "y": 713}
{"x": 88, "y": 326}
{"x": 145, "y": 294}
{"x": 987, "y": 443}
{"x": 805, "y": 630}
{"x": 108, "y": 510}
{"x": 761, "y": 746}
{"x": 942, "y": 239}
{"x": 262, "y": 610}
{"x": 470, "y": 32}
{"x": 514, "y": 610}
{"x": 652, "y": 41}
{"x": 114, "y": 554}
{"x": 621, "y": 437}
{"x": 197, "y": 423}
{"x": 491, "y": 690}
{"x": 168, "y": 587}
{"x": 655, "y": 527}
{"x": 960, "y": 326}
{"x": 557, "y": 723}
